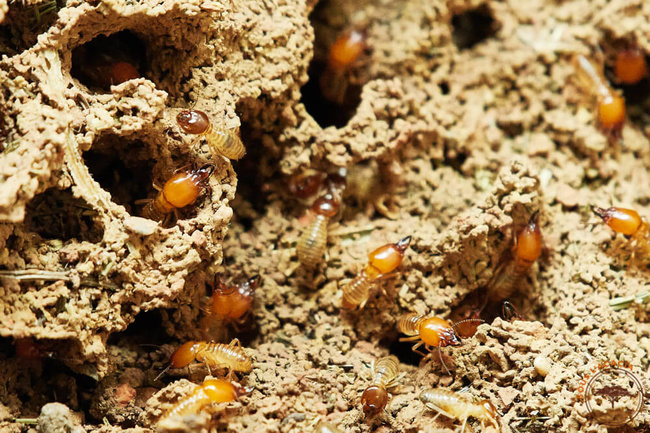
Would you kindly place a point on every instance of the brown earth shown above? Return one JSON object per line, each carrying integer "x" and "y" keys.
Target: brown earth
{"x": 469, "y": 119}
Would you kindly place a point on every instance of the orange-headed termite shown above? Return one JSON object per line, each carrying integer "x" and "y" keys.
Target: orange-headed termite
{"x": 305, "y": 185}
{"x": 311, "y": 244}
{"x": 456, "y": 406}
{"x": 631, "y": 66}
{"x": 381, "y": 263}
{"x": 225, "y": 142}
{"x": 625, "y": 221}
{"x": 26, "y": 348}
{"x": 181, "y": 190}
{"x": 431, "y": 332}
{"x": 611, "y": 106}
{"x": 527, "y": 249}
{"x": 216, "y": 355}
{"x": 384, "y": 376}
{"x": 343, "y": 56}
{"x": 107, "y": 74}
{"x": 629, "y": 223}
{"x": 230, "y": 304}
{"x": 211, "y": 391}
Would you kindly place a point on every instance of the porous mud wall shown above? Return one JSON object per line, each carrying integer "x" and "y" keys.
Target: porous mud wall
{"x": 468, "y": 132}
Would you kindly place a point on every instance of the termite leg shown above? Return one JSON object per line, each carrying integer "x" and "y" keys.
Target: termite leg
{"x": 440, "y": 411}
{"x": 415, "y": 348}
{"x": 162, "y": 372}
{"x": 235, "y": 342}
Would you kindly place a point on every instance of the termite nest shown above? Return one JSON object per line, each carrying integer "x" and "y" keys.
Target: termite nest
{"x": 325, "y": 216}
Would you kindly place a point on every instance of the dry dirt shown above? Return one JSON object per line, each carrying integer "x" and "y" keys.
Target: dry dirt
{"x": 466, "y": 114}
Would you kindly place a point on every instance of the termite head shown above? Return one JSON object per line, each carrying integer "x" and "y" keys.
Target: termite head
{"x": 626, "y": 221}
{"x": 631, "y": 66}
{"x": 346, "y": 50}
{"x": 233, "y": 302}
{"x": 123, "y": 71}
{"x": 374, "y": 399}
{"x": 509, "y": 312}
{"x": 529, "y": 241}
{"x": 327, "y": 206}
{"x": 220, "y": 391}
{"x": 193, "y": 121}
{"x": 437, "y": 332}
{"x": 305, "y": 184}
{"x": 184, "y": 355}
{"x": 26, "y": 348}
{"x": 611, "y": 112}
{"x": 388, "y": 257}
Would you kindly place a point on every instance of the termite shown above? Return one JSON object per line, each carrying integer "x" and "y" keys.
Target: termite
{"x": 225, "y": 142}
{"x": 26, "y": 348}
{"x": 628, "y": 222}
{"x": 231, "y": 304}
{"x": 431, "y": 332}
{"x": 509, "y": 312}
{"x": 313, "y": 241}
{"x": 611, "y": 106}
{"x": 343, "y": 56}
{"x": 211, "y": 391}
{"x": 631, "y": 66}
{"x": 216, "y": 355}
{"x": 181, "y": 190}
{"x": 305, "y": 185}
{"x": 384, "y": 376}
{"x": 456, "y": 406}
{"x": 526, "y": 251}
{"x": 381, "y": 263}
{"x": 107, "y": 74}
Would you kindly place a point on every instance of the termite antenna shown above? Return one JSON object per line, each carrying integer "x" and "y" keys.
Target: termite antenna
{"x": 162, "y": 373}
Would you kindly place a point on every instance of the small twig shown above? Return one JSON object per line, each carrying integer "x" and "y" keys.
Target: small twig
{"x": 35, "y": 275}
{"x": 625, "y": 301}
{"x": 348, "y": 231}
{"x": 26, "y": 420}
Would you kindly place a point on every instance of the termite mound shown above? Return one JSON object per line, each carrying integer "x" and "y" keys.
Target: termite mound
{"x": 100, "y": 146}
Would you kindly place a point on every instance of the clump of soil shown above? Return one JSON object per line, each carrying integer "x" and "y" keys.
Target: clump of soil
{"x": 468, "y": 120}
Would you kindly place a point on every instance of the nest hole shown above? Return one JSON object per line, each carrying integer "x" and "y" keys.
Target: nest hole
{"x": 127, "y": 178}
{"x": 331, "y": 96}
{"x": 146, "y": 329}
{"x": 261, "y": 168}
{"x": 472, "y": 27}
{"x": 109, "y": 60}
{"x": 58, "y": 214}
